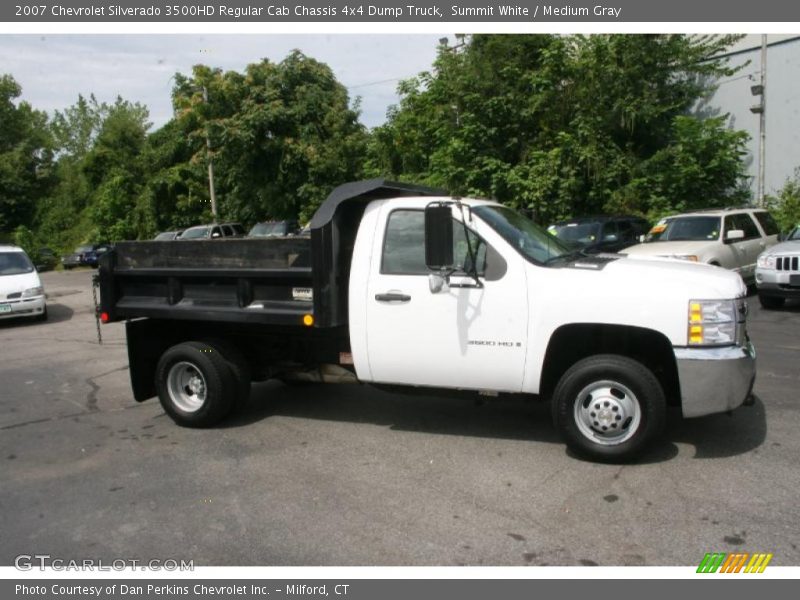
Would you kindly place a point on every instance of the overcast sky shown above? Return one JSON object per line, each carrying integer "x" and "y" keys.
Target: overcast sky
{"x": 54, "y": 69}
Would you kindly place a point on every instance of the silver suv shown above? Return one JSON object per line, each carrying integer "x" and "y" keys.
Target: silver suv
{"x": 213, "y": 231}
{"x": 731, "y": 238}
{"x": 778, "y": 272}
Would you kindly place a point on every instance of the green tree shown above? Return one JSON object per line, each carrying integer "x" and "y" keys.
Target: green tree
{"x": 282, "y": 135}
{"x": 175, "y": 193}
{"x": 25, "y": 157}
{"x": 786, "y": 207}
{"x": 113, "y": 167}
{"x": 24, "y": 238}
{"x": 99, "y": 173}
{"x": 75, "y": 129}
{"x": 566, "y": 125}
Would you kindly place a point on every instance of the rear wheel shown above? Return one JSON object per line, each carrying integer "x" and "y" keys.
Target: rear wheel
{"x": 771, "y": 302}
{"x": 239, "y": 368}
{"x": 194, "y": 384}
{"x": 608, "y": 408}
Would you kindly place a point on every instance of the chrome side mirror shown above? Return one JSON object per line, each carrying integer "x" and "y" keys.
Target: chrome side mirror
{"x": 438, "y": 283}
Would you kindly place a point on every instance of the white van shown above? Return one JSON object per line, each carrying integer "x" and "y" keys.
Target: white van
{"x": 21, "y": 290}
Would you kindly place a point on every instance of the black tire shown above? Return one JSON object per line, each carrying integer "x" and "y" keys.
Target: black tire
{"x": 771, "y": 302}
{"x": 215, "y": 377}
{"x": 609, "y": 408}
{"x": 239, "y": 367}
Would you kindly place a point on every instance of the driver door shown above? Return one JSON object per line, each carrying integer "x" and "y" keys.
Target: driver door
{"x": 467, "y": 336}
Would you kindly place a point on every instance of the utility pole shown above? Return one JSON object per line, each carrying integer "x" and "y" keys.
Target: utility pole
{"x": 762, "y": 124}
{"x": 210, "y": 165}
{"x": 761, "y": 110}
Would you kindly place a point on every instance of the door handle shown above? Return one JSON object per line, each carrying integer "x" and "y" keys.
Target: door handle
{"x": 392, "y": 297}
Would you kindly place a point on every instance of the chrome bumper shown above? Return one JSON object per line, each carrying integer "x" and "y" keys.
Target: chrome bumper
{"x": 715, "y": 380}
{"x": 27, "y": 307}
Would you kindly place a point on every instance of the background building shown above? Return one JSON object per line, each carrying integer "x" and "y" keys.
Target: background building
{"x": 734, "y": 96}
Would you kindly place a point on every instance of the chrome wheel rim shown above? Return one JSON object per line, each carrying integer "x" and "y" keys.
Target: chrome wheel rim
{"x": 607, "y": 413}
{"x": 186, "y": 387}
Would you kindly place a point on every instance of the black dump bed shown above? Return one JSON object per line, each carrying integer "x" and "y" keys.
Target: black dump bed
{"x": 272, "y": 281}
{"x": 261, "y": 280}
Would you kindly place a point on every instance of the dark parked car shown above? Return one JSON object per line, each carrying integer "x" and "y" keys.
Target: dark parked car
{"x": 166, "y": 236}
{"x": 76, "y": 259}
{"x": 275, "y": 229}
{"x": 213, "y": 231}
{"x": 92, "y": 258}
{"x": 85, "y": 255}
{"x": 46, "y": 259}
{"x": 601, "y": 234}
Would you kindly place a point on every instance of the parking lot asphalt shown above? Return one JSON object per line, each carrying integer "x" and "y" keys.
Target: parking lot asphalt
{"x": 348, "y": 475}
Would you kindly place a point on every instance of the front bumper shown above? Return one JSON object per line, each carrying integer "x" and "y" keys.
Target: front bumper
{"x": 28, "y": 307}
{"x": 770, "y": 282}
{"x": 715, "y": 380}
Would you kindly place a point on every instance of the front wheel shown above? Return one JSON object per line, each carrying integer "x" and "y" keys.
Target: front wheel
{"x": 608, "y": 408}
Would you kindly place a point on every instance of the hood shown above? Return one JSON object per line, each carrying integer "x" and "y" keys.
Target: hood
{"x": 790, "y": 247}
{"x": 668, "y": 249}
{"x": 676, "y": 276}
{"x": 649, "y": 293}
{"x": 644, "y": 277}
{"x": 11, "y": 284}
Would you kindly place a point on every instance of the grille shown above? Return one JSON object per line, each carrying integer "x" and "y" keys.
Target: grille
{"x": 787, "y": 263}
{"x": 14, "y": 296}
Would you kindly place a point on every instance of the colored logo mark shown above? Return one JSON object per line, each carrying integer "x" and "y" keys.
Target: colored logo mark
{"x": 735, "y": 562}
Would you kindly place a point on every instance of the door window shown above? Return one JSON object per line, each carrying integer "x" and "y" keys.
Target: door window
{"x": 404, "y": 246}
{"x": 744, "y": 222}
{"x": 768, "y": 224}
{"x": 625, "y": 231}
{"x": 610, "y": 233}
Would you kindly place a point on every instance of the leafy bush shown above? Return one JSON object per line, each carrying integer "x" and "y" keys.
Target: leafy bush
{"x": 786, "y": 207}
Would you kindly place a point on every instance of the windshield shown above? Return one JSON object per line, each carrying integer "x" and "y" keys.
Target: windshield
{"x": 699, "y": 229}
{"x": 530, "y": 240}
{"x": 794, "y": 235}
{"x": 576, "y": 233}
{"x": 194, "y": 233}
{"x": 83, "y": 249}
{"x": 167, "y": 235}
{"x": 265, "y": 229}
{"x": 14, "y": 263}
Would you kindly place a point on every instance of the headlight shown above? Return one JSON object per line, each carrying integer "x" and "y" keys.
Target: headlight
{"x": 766, "y": 261}
{"x": 31, "y": 292}
{"x": 714, "y": 322}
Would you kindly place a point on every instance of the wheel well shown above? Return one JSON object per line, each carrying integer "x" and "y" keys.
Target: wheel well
{"x": 571, "y": 343}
